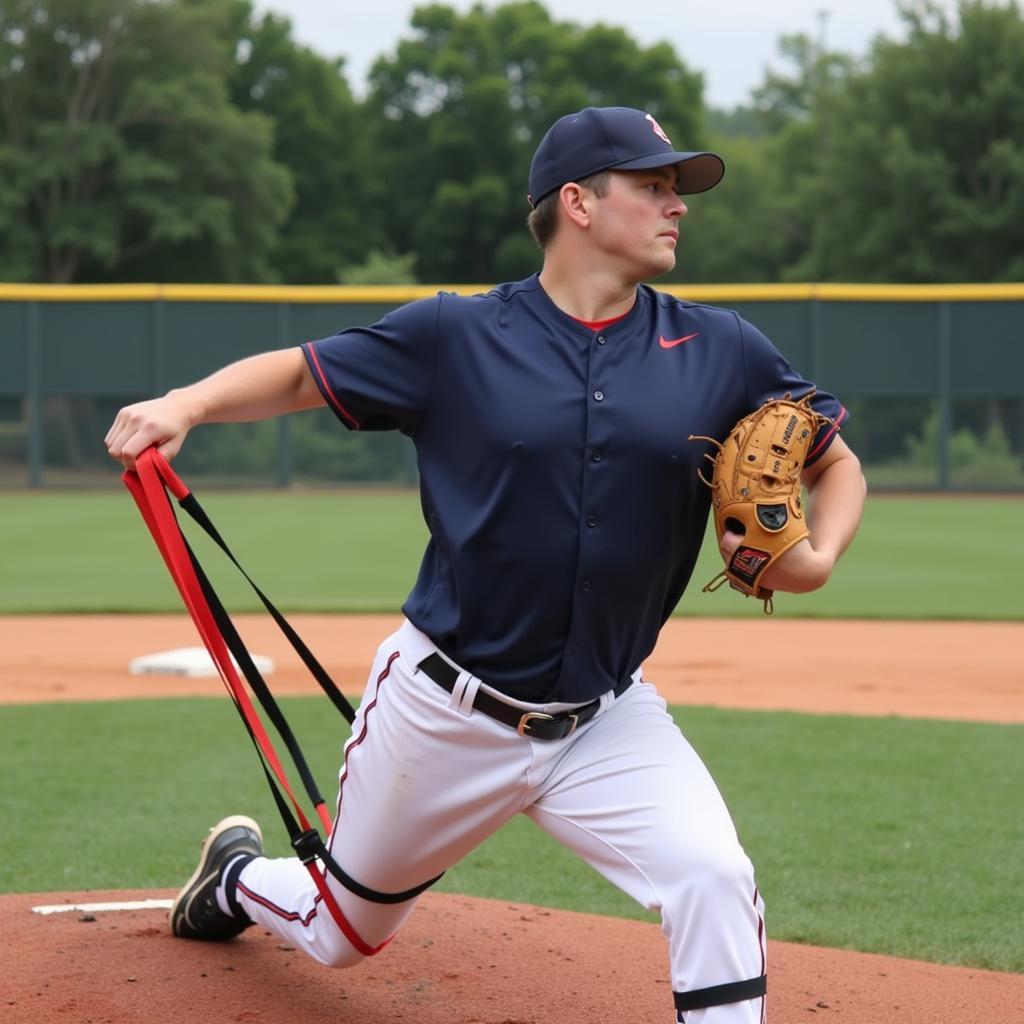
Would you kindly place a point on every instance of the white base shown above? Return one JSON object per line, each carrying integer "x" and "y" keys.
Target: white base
{"x": 193, "y": 662}
{"x": 65, "y": 908}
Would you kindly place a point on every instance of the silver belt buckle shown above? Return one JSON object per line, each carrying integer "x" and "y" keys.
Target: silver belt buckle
{"x": 524, "y": 723}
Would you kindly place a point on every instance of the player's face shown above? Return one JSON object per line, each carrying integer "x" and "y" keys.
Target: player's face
{"x": 636, "y": 224}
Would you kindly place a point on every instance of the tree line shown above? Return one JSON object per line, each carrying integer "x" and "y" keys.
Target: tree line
{"x": 198, "y": 141}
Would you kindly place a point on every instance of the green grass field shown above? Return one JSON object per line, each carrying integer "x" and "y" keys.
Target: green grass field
{"x": 887, "y": 835}
{"x": 894, "y": 836}
{"x": 915, "y": 557}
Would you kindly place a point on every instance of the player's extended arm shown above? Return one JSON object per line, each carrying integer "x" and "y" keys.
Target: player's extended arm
{"x": 256, "y": 388}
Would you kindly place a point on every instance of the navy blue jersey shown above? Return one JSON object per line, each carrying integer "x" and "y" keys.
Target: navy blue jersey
{"x": 557, "y": 481}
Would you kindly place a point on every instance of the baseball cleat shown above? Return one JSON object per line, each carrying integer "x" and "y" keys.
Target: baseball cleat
{"x": 195, "y": 913}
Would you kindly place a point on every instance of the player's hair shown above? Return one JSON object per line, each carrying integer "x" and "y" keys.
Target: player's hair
{"x": 543, "y": 218}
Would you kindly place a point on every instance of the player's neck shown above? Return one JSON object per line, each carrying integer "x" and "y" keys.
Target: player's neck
{"x": 587, "y": 296}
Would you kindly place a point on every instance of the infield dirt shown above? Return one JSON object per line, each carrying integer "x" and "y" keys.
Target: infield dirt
{"x": 970, "y": 671}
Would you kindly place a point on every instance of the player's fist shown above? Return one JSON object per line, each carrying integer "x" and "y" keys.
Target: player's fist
{"x": 160, "y": 422}
{"x": 800, "y": 570}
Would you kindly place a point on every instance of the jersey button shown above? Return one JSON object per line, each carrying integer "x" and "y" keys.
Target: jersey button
{"x": 600, "y": 339}
{"x": 597, "y": 455}
{"x": 598, "y": 396}
{"x": 586, "y": 584}
{"x": 591, "y": 520}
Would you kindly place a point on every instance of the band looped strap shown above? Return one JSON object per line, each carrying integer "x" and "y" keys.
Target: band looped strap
{"x": 719, "y": 995}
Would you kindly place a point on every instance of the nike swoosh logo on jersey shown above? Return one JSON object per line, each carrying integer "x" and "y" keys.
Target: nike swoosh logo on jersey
{"x": 671, "y": 343}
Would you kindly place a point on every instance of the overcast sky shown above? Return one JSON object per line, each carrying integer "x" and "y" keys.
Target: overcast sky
{"x": 730, "y": 41}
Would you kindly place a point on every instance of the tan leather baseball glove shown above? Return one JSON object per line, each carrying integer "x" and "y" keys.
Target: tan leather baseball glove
{"x": 756, "y": 489}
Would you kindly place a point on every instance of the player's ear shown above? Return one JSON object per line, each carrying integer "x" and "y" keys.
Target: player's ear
{"x": 576, "y": 202}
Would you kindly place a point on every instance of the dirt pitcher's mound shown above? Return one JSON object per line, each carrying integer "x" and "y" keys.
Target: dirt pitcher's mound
{"x": 458, "y": 961}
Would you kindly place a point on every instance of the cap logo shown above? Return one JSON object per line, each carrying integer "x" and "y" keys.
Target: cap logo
{"x": 658, "y": 130}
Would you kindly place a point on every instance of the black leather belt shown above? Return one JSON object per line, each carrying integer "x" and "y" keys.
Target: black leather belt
{"x": 535, "y": 724}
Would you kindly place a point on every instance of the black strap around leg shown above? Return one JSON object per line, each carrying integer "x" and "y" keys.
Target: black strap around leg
{"x": 719, "y": 995}
{"x": 309, "y": 846}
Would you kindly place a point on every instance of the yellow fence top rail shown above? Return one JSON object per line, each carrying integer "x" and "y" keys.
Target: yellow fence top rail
{"x": 394, "y": 294}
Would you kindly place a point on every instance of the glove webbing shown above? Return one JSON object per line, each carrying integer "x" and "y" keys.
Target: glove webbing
{"x": 149, "y": 484}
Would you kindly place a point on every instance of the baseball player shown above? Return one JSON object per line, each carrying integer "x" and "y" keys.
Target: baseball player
{"x": 550, "y": 418}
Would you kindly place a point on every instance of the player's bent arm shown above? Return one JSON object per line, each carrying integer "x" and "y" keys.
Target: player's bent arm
{"x": 836, "y": 494}
{"x": 256, "y": 388}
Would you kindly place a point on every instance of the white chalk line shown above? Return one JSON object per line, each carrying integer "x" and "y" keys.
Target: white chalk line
{"x": 88, "y": 908}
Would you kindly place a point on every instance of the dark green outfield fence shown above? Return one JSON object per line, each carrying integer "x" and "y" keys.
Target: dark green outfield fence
{"x": 934, "y": 376}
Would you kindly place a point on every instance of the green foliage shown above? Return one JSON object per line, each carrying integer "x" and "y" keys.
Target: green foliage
{"x": 459, "y": 108}
{"x": 196, "y": 140}
{"x": 320, "y": 450}
{"x": 885, "y": 835}
{"x": 121, "y": 155}
{"x": 381, "y": 268}
{"x": 247, "y": 448}
{"x": 910, "y": 167}
{"x": 799, "y": 113}
{"x": 988, "y": 459}
{"x": 319, "y": 136}
{"x": 740, "y": 122}
{"x": 737, "y": 233}
{"x": 323, "y": 451}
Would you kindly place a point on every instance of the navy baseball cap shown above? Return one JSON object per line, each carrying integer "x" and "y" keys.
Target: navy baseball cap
{"x": 614, "y": 138}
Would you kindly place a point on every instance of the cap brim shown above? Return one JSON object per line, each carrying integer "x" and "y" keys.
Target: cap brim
{"x": 697, "y": 171}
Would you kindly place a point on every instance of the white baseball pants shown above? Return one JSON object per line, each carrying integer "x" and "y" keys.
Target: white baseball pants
{"x": 426, "y": 779}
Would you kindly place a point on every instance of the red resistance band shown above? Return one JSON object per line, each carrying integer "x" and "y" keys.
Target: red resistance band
{"x": 149, "y": 484}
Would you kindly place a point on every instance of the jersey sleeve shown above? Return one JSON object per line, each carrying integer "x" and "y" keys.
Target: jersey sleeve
{"x": 769, "y": 375}
{"x": 379, "y": 377}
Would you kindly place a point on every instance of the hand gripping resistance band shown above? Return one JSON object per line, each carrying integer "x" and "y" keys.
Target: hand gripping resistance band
{"x": 149, "y": 484}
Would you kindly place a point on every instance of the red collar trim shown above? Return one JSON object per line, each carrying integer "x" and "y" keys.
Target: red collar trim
{"x": 600, "y": 325}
